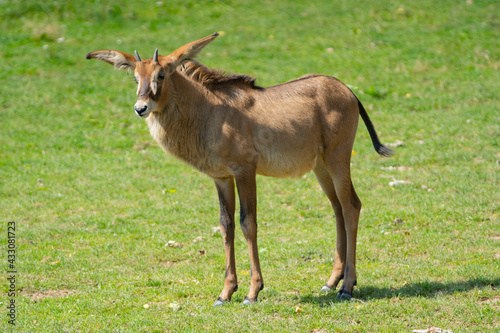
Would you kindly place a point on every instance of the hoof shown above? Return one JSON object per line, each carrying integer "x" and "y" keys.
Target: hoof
{"x": 343, "y": 295}
{"x": 247, "y": 301}
{"x": 218, "y": 302}
{"x": 325, "y": 289}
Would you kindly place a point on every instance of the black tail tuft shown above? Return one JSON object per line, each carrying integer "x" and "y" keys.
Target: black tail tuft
{"x": 384, "y": 151}
{"x": 380, "y": 148}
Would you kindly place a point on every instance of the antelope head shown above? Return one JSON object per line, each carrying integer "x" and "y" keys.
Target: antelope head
{"x": 152, "y": 75}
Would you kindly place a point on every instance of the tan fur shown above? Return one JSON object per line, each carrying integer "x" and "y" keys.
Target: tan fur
{"x": 230, "y": 129}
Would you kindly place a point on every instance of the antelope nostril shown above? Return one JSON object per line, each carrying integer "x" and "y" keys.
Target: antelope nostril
{"x": 140, "y": 111}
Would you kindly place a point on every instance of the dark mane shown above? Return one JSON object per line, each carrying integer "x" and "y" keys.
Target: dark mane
{"x": 214, "y": 79}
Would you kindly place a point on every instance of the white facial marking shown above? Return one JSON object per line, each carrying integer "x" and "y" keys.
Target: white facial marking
{"x": 154, "y": 86}
{"x": 138, "y": 86}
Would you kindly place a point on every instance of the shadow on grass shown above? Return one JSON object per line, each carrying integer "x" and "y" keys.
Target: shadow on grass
{"x": 420, "y": 289}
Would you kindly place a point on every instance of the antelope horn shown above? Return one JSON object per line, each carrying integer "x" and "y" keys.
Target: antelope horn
{"x": 137, "y": 58}
{"x": 155, "y": 57}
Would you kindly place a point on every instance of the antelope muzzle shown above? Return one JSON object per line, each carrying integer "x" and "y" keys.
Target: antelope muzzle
{"x": 142, "y": 109}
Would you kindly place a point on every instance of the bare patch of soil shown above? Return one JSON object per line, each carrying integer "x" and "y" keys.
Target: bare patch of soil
{"x": 37, "y": 295}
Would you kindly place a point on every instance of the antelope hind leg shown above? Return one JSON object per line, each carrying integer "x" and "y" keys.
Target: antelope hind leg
{"x": 338, "y": 165}
{"x": 326, "y": 182}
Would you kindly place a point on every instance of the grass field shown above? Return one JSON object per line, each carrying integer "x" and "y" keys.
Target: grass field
{"x": 96, "y": 202}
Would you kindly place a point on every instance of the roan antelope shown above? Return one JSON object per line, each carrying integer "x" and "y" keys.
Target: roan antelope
{"x": 230, "y": 129}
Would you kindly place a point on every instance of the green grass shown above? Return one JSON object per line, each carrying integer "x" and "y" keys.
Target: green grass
{"x": 93, "y": 196}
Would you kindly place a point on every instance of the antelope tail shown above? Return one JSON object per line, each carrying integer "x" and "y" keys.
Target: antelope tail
{"x": 380, "y": 148}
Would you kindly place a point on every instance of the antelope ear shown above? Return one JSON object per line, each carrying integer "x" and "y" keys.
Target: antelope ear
{"x": 188, "y": 51}
{"x": 118, "y": 59}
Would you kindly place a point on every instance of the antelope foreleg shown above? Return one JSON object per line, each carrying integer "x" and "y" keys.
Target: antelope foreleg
{"x": 225, "y": 190}
{"x": 248, "y": 221}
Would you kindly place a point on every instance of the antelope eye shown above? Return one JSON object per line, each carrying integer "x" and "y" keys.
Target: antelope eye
{"x": 161, "y": 76}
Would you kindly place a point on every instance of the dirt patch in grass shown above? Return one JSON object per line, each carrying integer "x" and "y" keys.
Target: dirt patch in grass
{"x": 490, "y": 300}
{"x": 36, "y": 295}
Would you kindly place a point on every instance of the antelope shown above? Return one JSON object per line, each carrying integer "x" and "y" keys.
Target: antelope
{"x": 230, "y": 129}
